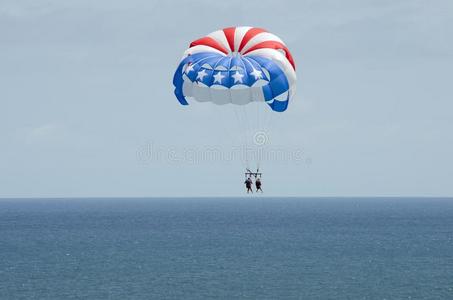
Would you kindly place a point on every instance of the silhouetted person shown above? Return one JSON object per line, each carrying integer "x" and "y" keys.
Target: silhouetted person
{"x": 258, "y": 185}
{"x": 248, "y": 184}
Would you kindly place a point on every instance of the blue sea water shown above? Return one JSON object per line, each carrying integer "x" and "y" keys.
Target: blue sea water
{"x": 226, "y": 248}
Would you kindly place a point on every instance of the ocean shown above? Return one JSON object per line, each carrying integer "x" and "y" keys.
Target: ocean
{"x": 226, "y": 248}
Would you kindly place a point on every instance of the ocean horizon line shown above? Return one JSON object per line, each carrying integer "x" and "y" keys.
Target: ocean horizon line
{"x": 222, "y": 197}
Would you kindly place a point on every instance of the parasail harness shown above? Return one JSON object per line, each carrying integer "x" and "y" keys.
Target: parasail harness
{"x": 250, "y": 173}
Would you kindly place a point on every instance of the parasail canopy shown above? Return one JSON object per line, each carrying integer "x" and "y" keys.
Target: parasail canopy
{"x": 237, "y": 65}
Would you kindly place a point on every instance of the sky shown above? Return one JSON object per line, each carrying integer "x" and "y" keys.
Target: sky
{"x": 87, "y": 106}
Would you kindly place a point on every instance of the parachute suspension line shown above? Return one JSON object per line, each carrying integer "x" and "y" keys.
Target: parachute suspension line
{"x": 266, "y": 123}
{"x": 223, "y": 118}
{"x": 243, "y": 136}
{"x": 246, "y": 130}
{"x": 263, "y": 130}
{"x": 249, "y": 138}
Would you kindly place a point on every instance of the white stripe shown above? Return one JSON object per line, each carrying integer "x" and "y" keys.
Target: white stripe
{"x": 261, "y": 37}
{"x": 282, "y": 97}
{"x": 220, "y": 37}
{"x": 239, "y": 35}
{"x": 201, "y": 48}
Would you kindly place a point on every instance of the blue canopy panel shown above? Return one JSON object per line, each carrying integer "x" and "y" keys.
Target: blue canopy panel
{"x": 237, "y": 79}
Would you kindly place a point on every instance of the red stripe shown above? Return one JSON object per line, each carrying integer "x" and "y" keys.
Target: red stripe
{"x": 249, "y": 35}
{"x": 229, "y": 33}
{"x": 208, "y": 41}
{"x": 274, "y": 45}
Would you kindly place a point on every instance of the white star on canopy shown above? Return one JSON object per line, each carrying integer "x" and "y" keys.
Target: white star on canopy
{"x": 237, "y": 77}
{"x": 257, "y": 74}
{"x": 218, "y": 77}
{"x": 201, "y": 74}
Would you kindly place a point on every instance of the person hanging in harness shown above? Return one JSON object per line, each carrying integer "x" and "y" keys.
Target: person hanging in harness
{"x": 258, "y": 185}
{"x": 248, "y": 184}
